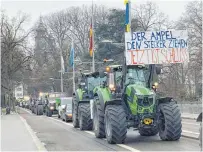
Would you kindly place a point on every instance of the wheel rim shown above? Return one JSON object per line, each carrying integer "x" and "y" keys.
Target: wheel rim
{"x": 162, "y": 122}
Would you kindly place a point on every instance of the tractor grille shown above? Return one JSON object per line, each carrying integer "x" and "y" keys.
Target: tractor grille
{"x": 145, "y": 101}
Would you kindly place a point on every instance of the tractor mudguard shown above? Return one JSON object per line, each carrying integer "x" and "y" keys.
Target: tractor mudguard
{"x": 113, "y": 102}
{"x": 79, "y": 94}
{"x": 83, "y": 101}
{"x": 165, "y": 99}
{"x": 199, "y": 118}
{"x": 103, "y": 95}
{"x": 101, "y": 99}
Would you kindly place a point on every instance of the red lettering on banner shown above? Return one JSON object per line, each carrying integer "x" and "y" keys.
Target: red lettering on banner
{"x": 176, "y": 55}
{"x": 132, "y": 58}
{"x": 172, "y": 55}
{"x": 139, "y": 61}
{"x": 154, "y": 56}
{"x": 165, "y": 56}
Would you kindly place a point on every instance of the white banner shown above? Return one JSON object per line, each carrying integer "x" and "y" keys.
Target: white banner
{"x": 156, "y": 47}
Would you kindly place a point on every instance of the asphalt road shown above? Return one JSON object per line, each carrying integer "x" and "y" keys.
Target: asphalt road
{"x": 61, "y": 136}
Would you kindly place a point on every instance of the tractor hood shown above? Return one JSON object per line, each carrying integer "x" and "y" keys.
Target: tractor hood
{"x": 139, "y": 90}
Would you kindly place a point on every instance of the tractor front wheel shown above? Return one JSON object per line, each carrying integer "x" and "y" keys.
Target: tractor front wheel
{"x": 98, "y": 121}
{"x": 75, "y": 114}
{"x": 115, "y": 124}
{"x": 85, "y": 121}
{"x": 170, "y": 126}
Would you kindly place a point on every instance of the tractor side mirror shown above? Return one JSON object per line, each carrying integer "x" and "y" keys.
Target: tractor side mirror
{"x": 158, "y": 70}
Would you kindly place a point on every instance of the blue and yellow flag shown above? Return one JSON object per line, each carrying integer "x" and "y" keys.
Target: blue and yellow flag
{"x": 127, "y": 16}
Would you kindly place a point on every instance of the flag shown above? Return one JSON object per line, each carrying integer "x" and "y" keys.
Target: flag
{"x": 62, "y": 64}
{"x": 127, "y": 16}
{"x": 91, "y": 41}
{"x": 125, "y": 2}
{"x": 71, "y": 58}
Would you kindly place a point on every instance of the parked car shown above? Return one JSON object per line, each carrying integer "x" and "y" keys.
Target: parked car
{"x": 65, "y": 109}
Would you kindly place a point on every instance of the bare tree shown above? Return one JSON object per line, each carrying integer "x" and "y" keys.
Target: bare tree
{"x": 149, "y": 17}
{"x": 14, "y": 49}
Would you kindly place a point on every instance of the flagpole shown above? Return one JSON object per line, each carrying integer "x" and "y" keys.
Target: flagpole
{"x": 73, "y": 66}
{"x": 93, "y": 62}
{"x": 61, "y": 71}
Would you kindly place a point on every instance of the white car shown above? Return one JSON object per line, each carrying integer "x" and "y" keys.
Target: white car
{"x": 65, "y": 102}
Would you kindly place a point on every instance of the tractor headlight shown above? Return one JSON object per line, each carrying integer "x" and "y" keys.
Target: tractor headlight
{"x": 156, "y": 84}
{"x": 52, "y": 108}
{"x": 112, "y": 87}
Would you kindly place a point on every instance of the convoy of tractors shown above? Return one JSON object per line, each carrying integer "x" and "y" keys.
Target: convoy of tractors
{"x": 116, "y": 98}
{"x": 112, "y": 100}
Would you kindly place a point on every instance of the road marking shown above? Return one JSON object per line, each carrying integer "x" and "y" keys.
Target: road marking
{"x": 128, "y": 148}
{"x": 120, "y": 145}
{"x": 36, "y": 140}
{"x": 92, "y": 133}
{"x": 190, "y": 132}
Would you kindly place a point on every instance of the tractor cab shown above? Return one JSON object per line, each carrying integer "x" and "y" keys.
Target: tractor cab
{"x": 88, "y": 83}
{"x": 139, "y": 75}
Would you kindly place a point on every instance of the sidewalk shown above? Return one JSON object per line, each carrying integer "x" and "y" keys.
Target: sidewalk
{"x": 15, "y": 135}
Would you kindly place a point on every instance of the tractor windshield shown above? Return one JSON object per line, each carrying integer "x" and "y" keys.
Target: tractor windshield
{"x": 93, "y": 82}
{"x": 135, "y": 76}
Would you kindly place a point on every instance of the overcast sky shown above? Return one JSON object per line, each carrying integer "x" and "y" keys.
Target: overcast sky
{"x": 34, "y": 8}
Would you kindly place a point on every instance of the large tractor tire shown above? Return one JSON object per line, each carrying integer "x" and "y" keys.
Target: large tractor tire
{"x": 170, "y": 126}
{"x": 148, "y": 131}
{"x": 98, "y": 121}
{"x": 32, "y": 110}
{"x": 75, "y": 114}
{"x": 40, "y": 110}
{"x": 50, "y": 113}
{"x": 115, "y": 124}
{"x": 85, "y": 121}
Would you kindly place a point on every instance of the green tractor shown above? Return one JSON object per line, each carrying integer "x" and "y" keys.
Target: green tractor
{"x": 81, "y": 100}
{"x": 129, "y": 98}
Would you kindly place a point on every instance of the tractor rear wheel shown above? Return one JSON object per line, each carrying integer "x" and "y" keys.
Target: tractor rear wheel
{"x": 98, "y": 121}
{"x": 115, "y": 124}
{"x": 148, "y": 131}
{"x": 40, "y": 110}
{"x": 75, "y": 114}
{"x": 170, "y": 126}
{"x": 85, "y": 121}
